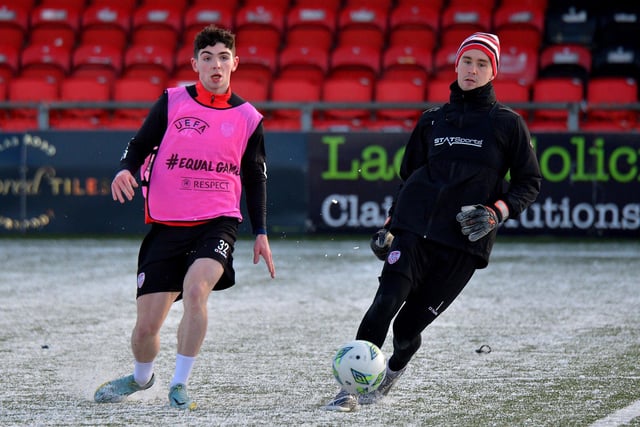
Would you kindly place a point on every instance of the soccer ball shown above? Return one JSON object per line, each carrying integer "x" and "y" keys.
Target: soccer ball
{"x": 359, "y": 367}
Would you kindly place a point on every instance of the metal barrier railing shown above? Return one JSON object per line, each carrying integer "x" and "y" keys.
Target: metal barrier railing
{"x": 307, "y": 109}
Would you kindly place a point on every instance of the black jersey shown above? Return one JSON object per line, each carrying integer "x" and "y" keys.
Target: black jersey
{"x": 457, "y": 155}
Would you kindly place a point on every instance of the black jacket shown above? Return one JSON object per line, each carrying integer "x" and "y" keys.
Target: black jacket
{"x": 459, "y": 154}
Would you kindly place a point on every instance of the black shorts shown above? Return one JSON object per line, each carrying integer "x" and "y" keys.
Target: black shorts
{"x": 435, "y": 273}
{"x": 167, "y": 252}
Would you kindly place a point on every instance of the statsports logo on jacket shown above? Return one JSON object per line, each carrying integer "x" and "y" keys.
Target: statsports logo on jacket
{"x": 194, "y": 174}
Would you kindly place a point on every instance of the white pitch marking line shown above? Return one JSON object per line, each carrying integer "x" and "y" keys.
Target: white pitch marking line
{"x": 622, "y": 416}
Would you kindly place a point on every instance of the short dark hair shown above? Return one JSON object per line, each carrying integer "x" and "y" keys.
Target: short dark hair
{"x": 210, "y": 36}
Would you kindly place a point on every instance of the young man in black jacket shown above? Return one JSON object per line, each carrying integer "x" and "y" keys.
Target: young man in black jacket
{"x": 445, "y": 216}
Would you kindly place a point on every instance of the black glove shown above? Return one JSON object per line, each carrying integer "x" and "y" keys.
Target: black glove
{"x": 380, "y": 243}
{"x": 477, "y": 221}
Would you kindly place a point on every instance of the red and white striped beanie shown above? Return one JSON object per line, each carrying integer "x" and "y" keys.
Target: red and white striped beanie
{"x": 487, "y": 43}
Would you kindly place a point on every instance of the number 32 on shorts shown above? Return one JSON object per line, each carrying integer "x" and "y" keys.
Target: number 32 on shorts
{"x": 222, "y": 248}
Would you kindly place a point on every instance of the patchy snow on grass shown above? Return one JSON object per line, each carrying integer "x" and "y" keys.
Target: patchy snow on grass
{"x": 560, "y": 318}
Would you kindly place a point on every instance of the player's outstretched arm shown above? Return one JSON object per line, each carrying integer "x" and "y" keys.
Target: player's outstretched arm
{"x": 123, "y": 186}
{"x": 261, "y": 248}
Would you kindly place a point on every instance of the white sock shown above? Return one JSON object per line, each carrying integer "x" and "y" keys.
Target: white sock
{"x": 142, "y": 372}
{"x": 184, "y": 364}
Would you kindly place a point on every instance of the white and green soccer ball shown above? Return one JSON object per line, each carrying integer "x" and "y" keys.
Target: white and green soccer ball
{"x": 359, "y": 367}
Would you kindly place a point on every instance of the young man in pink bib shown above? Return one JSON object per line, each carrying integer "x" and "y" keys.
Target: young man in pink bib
{"x": 198, "y": 148}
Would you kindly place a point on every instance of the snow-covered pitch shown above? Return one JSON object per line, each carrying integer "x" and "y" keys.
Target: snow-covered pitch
{"x": 561, "y": 320}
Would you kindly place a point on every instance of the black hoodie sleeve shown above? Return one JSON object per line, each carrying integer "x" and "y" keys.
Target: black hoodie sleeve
{"x": 147, "y": 137}
{"x": 416, "y": 149}
{"x": 254, "y": 180}
{"x": 524, "y": 169}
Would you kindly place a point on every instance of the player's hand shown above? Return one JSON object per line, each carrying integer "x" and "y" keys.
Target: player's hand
{"x": 380, "y": 243}
{"x": 261, "y": 248}
{"x": 477, "y": 221}
{"x": 123, "y": 186}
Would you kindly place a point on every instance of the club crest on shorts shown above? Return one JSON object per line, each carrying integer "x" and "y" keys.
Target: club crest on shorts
{"x": 393, "y": 257}
{"x": 140, "y": 279}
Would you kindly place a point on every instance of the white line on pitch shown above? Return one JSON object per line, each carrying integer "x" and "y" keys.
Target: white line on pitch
{"x": 622, "y": 416}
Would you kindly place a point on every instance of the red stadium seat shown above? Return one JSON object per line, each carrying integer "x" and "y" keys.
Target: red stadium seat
{"x": 518, "y": 63}
{"x": 536, "y": 126}
{"x": 134, "y": 89}
{"x": 611, "y": 90}
{"x": 260, "y": 25}
{"x": 101, "y": 62}
{"x": 257, "y": 62}
{"x": 414, "y": 25}
{"x": 484, "y": 4}
{"x": 46, "y": 61}
{"x": 250, "y": 90}
{"x": 304, "y": 62}
{"x": 389, "y": 125}
{"x": 355, "y": 62}
{"x": 293, "y": 90}
{"x": 339, "y": 125}
{"x": 362, "y": 26}
{"x": 155, "y": 62}
{"x": 512, "y": 91}
{"x": 311, "y": 26}
{"x": 199, "y": 16}
{"x": 565, "y": 60}
{"x": 438, "y": 90}
{"x": 307, "y": 37}
{"x": 161, "y": 25}
{"x": 54, "y": 25}
{"x": 444, "y": 61}
{"x": 13, "y": 124}
{"x": 407, "y": 63}
{"x": 520, "y": 22}
{"x": 106, "y": 24}
{"x": 556, "y": 90}
{"x": 334, "y": 5}
{"x": 344, "y": 90}
{"x": 126, "y": 4}
{"x": 74, "y": 4}
{"x": 9, "y": 61}
{"x": 539, "y": 4}
{"x": 607, "y": 126}
{"x": 523, "y": 37}
{"x": 25, "y": 89}
{"x": 30, "y": 89}
{"x": 459, "y": 22}
{"x": 282, "y": 125}
{"x": 278, "y": 4}
{"x": 235, "y": 4}
{"x": 180, "y": 4}
{"x": 183, "y": 69}
{"x": 14, "y": 24}
{"x": 438, "y": 4}
{"x": 175, "y": 82}
{"x": 380, "y": 4}
{"x": 392, "y": 90}
{"x": 83, "y": 89}
{"x": 27, "y": 4}
{"x": 416, "y": 37}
